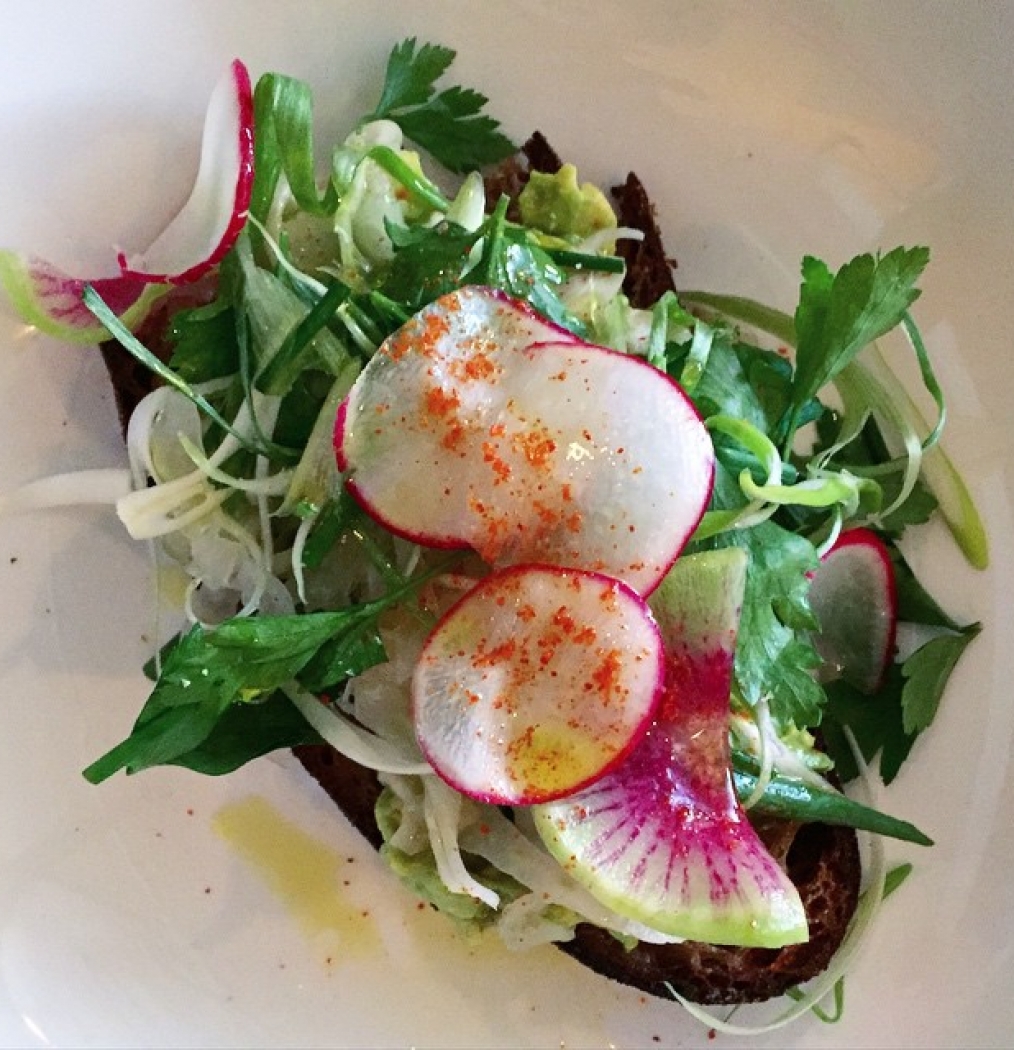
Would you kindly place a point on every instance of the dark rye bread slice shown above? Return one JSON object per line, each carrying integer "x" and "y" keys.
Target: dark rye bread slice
{"x": 821, "y": 860}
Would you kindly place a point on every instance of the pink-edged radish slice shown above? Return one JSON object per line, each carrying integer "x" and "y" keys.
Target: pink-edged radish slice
{"x": 535, "y": 683}
{"x": 470, "y": 427}
{"x": 662, "y": 838}
{"x": 211, "y": 219}
{"x": 202, "y": 232}
{"x": 853, "y": 594}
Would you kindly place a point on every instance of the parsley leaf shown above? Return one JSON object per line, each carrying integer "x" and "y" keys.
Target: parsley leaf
{"x": 774, "y": 659}
{"x": 449, "y": 124}
{"x": 839, "y": 314}
{"x": 926, "y": 672}
{"x": 428, "y": 261}
{"x": 889, "y": 722}
{"x": 875, "y": 722}
{"x": 411, "y": 74}
{"x": 212, "y": 678}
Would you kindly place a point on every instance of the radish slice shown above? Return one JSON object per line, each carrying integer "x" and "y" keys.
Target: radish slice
{"x": 472, "y": 426}
{"x": 535, "y": 683}
{"x": 202, "y": 232}
{"x": 854, "y": 596}
{"x": 209, "y": 223}
{"x": 662, "y": 838}
{"x": 50, "y": 299}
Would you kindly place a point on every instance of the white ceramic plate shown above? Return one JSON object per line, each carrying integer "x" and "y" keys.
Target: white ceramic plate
{"x": 765, "y": 131}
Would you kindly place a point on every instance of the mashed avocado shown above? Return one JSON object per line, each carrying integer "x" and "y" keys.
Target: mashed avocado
{"x": 557, "y": 205}
{"x": 419, "y": 873}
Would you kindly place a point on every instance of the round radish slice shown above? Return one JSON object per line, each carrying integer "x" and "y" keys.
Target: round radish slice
{"x": 853, "y": 595}
{"x": 535, "y": 683}
{"x": 469, "y": 428}
{"x": 662, "y": 838}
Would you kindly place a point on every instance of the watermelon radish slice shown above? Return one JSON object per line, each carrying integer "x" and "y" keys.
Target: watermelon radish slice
{"x": 535, "y": 683}
{"x": 50, "y": 299}
{"x": 202, "y": 232}
{"x": 662, "y": 838}
{"x": 477, "y": 425}
{"x": 853, "y": 594}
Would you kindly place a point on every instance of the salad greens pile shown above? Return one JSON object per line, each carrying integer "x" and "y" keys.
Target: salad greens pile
{"x": 292, "y": 593}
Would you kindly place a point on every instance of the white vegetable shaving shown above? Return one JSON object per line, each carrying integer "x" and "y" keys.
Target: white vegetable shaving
{"x": 351, "y": 740}
{"x": 75, "y": 489}
{"x": 444, "y": 809}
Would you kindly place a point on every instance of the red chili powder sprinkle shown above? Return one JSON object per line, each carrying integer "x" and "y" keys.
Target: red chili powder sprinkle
{"x": 479, "y": 366}
{"x": 453, "y": 437}
{"x": 536, "y": 446}
{"x": 500, "y": 467}
{"x": 498, "y": 654}
{"x": 419, "y": 336}
{"x": 441, "y": 402}
{"x": 608, "y": 675}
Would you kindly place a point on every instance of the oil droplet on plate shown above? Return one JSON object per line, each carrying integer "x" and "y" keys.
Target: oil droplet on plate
{"x": 305, "y": 873}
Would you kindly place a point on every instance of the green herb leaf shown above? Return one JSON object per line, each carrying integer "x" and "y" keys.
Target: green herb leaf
{"x": 915, "y": 604}
{"x": 792, "y": 799}
{"x": 248, "y": 731}
{"x": 772, "y": 660}
{"x": 344, "y": 657}
{"x": 875, "y": 723}
{"x": 204, "y": 342}
{"x": 209, "y": 672}
{"x": 451, "y": 124}
{"x": 283, "y": 117}
{"x": 926, "y": 673}
{"x": 411, "y": 75}
{"x": 514, "y": 264}
{"x": 428, "y": 262}
{"x": 838, "y": 315}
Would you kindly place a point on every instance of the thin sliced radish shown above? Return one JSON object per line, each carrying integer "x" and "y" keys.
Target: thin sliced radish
{"x": 465, "y": 337}
{"x": 473, "y": 427}
{"x": 208, "y": 224}
{"x": 662, "y": 838}
{"x": 202, "y": 232}
{"x": 854, "y": 596}
{"x": 535, "y": 683}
